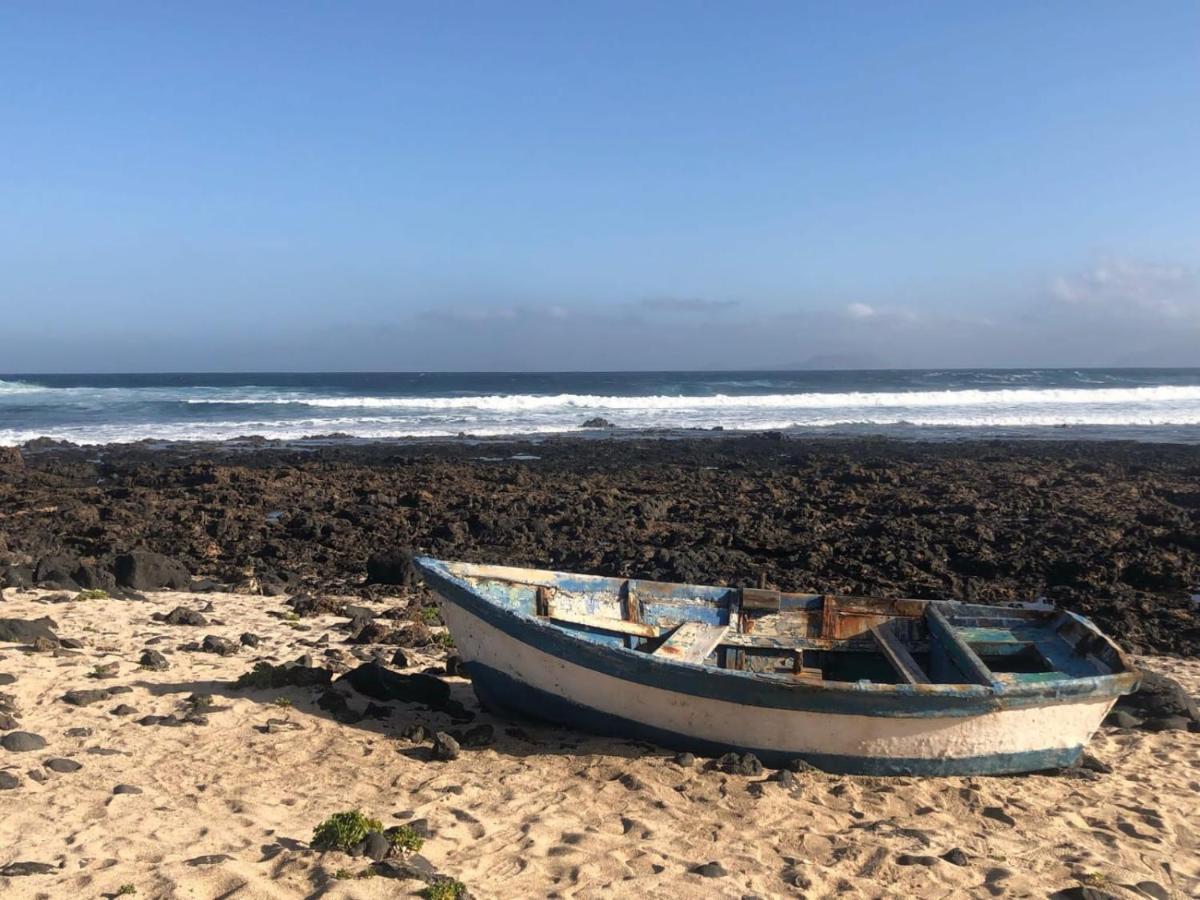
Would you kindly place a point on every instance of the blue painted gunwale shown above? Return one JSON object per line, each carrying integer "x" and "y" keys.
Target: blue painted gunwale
{"x": 763, "y": 689}
{"x": 500, "y": 692}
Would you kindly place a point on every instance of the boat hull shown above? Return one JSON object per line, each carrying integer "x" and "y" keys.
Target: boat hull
{"x": 510, "y": 671}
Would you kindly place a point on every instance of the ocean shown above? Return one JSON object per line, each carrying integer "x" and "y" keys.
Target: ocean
{"x": 1137, "y": 404}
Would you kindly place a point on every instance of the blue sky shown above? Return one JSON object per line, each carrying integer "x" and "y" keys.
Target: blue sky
{"x": 582, "y": 185}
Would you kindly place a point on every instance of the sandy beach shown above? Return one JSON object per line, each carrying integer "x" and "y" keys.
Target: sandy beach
{"x": 226, "y": 806}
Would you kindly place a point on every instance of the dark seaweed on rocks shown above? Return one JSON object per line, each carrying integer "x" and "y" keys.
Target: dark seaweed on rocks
{"x": 1109, "y": 530}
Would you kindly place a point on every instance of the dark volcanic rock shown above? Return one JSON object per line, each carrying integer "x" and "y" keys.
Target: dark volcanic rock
{"x": 391, "y": 568}
{"x": 219, "y": 645}
{"x": 746, "y": 764}
{"x": 597, "y": 422}
{"x": 153, "y": 660}
{"x": 8, "y": 781}
{"x": 376, "y": 846}
{"x": 57, "y": 571}
{"x": 1159, "y": 697}
{"x": 17, "y": 869}
{"x": 85, "y": 697}
{"x": 709, "y": 870}
{"x": 127, "y": 789}
{"x": 26, "y": 631}
{"x": 181, "y": 616}
{"x": 22, "y": 742}
{"x": 7, "y": 679}
{"x": 265, "y": 675}
{"x": 1105, "y": 529}
{"x": 445, "y": 747}
{"x": 59, "y": 764}
{"x": 123, "y": 709}
{"x": 142, "y": 570}
{"x": 20, "y": 577}
{"x": 956, "y": 857}
{"x": 380, "y": 683}
{"x": 11, "y": 460}
{"x": 249, "y": 640}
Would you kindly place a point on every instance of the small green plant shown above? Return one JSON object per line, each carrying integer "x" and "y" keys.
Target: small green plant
{"x": 431, "y": 615}
{"x": 282, "y": 702}
{"x": 1094, "y": 879}
{"x": 444, "y": 889}
{"x": 93, "y": 594}
{"x": 405, "y": 837}
{"x": 125, "y": 890}
{"x": 343, "y": 830}
{"x": 444, "y": 639}
{"x": 291, "y": 617}
{"x": 343, "y": 874}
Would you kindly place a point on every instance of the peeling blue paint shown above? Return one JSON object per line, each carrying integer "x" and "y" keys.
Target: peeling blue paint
{"x": 510, "y": 608}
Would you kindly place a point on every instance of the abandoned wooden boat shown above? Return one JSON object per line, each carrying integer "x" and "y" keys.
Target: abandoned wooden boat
{"x": 849, "y": 684}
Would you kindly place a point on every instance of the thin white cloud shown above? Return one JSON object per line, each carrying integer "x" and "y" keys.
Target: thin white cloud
{"x": 687, "y": 304}
{"x": 1124, "y": 287}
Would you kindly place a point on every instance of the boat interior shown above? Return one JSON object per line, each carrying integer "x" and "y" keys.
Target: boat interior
{"x": 810, "y": 637}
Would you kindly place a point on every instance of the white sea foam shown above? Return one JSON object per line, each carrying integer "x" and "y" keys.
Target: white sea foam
{"x": 851, "y": 400}
{"x": 112, "y": 414}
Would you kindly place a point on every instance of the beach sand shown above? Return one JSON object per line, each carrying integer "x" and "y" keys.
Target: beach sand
{"x": 227, "y": 809}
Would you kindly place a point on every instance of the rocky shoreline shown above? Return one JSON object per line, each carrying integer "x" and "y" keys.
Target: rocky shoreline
{"x": 1111, "y": 530}
{"x": 228, "y": 656}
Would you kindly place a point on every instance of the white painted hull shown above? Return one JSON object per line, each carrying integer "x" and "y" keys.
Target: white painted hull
{"x": 998, "y": 738}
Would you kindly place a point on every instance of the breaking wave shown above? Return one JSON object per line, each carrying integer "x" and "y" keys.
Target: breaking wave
{"x": 106, "y": 409}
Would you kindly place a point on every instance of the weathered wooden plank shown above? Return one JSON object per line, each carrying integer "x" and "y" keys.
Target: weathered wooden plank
{"x": 601, "y": 623}
{"x": 897, "y": 654}
{"x": 692, "y": 642}
{"x": 758, "y": 598}
{"x": 829, "y": 618}
{"x": 946, "y": 639}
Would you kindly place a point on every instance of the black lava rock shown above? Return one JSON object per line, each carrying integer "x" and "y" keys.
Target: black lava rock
{"x": 181, "y": 616}
{"x": 142, "y": 570}
{"x": 26, "y": 631}
{"x": 445, "y": 747}
{"x": 152, "y": 659}
{"x": 127, "y": 789}
{"x": 17, "y": 869}
{"x": 8, "y": 781}
{"x": 85, "y": 698}
{"x": 380, "y": 683}
{"x": 219, "y": 645}
{"x": 392, "y": 568}
{"x": 1159, "y": 697}
{"x": 709, "y": 870}
{"x": 22, "y": 742}
{"x": 746, "y": 764}
{"x": 376, "y": 846}
{"x": 59, "y": 764}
